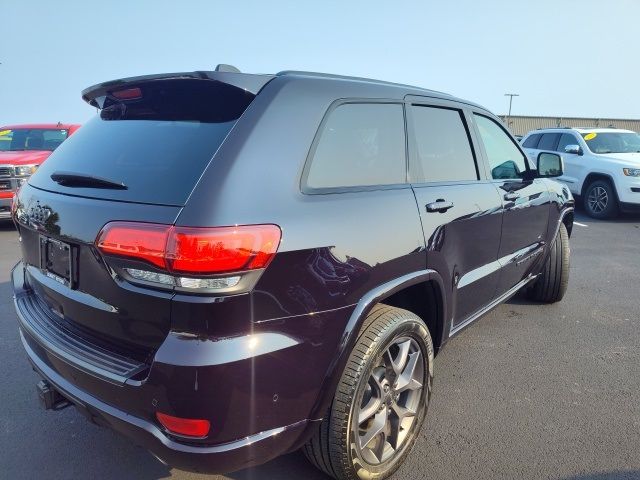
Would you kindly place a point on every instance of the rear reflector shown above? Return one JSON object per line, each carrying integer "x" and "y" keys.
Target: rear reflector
{"x": 192, "y": 250}
{"x": 187, "y": 427}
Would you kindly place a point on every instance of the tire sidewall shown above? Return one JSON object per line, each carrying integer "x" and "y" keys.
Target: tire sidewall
{"x": 612, "y": 202}
{"x": 409, "y": 327}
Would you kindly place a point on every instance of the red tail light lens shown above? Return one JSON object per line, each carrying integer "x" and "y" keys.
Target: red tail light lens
{"x": 188, "y": 427}
{"x": 145, "y": 241}
{"x": 192, "y": 250}
{"x": 6, "y": 194}
{"x": 226, "y": 249}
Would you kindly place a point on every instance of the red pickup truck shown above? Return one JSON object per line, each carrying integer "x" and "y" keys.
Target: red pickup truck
{"x": 22, "y": 149}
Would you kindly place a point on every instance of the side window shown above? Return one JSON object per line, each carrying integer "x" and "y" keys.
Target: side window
{"x": 360, "y": 144}
{"x": 532, "y": 141}
{"x": 505, "y": 159}
{"x": 548, "y": 141}
{"x": 566, "y": 139}
{"x": 443, "y": 151}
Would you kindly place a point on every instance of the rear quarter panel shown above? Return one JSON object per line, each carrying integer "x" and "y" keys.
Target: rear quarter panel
{"x": 335, "y": 247}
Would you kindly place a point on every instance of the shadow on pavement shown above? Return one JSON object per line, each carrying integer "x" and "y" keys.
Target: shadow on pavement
{"x": 622, "y": 217}
{"x": 615, "y": 475}
{"x": 292, "y": 465}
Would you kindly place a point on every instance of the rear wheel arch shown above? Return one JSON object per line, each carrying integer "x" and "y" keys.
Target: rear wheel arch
{"x": 402, "y": 292}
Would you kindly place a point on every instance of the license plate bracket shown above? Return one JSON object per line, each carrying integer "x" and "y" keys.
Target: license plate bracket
{"x": 55, "y": 260}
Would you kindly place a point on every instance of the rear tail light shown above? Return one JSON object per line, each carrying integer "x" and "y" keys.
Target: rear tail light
{"x": 225, "y": 249}
{"x": 187, "y": 427}
{"x": 145, "y": 241}
{"x": 191, "y": 251}
{"x": 128, "y": 94}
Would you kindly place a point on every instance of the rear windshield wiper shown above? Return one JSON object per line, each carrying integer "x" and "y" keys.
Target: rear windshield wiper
{"x": 71, "y": 179}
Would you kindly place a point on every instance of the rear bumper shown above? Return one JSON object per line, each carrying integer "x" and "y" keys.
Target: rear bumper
{"x": 130, "y": 407}
{"x": 227, "y": 457}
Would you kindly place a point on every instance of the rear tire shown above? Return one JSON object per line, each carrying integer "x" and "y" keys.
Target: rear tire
{"x": 387, "y": 380}
{"x": 552, "y": 282}
{"x": 600, "y": 200}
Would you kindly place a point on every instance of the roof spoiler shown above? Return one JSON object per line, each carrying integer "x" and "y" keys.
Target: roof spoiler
{"x": 248, "y": 82}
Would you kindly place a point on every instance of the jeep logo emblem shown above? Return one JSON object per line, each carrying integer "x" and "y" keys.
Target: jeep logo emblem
{"x": 38, "y": 215}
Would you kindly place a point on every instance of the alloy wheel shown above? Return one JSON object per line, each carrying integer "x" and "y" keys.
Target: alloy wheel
{"x": 390, "y": 402}
{"x": 598, "y": 199}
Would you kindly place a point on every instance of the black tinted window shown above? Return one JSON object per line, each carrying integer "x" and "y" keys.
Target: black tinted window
{"x": 532, "y": 141}
{"x": 566, "y": 139}
{"x": 443, "y": 152}
{"x": 548, "y": 141}
{"x": 360, "y": 144}
{"x": 157, "y": 145}
{"x": 505, "y": 159}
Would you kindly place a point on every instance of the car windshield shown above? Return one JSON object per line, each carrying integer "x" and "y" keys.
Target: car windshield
{"x": 19, "y": 139}
{"x": 612, "y": 142}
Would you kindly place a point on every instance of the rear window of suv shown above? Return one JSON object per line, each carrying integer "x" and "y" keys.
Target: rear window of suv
{"x": 157, "y": 145}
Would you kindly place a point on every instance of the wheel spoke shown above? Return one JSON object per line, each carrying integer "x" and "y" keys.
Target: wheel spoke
{"x": 399, "y": 414}
{"x": 405, "y": 380}
{"x": 398, "y": 363}
{"x": 372, "y": 406}
{"x": 376, "y": 428}
{"x": 378, "y": 451}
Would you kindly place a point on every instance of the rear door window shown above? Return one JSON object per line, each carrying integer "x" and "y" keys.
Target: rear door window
{"x": 532, "y": 141}
{"x": 442, "y": 148}
{"x": 360, "y": 144}
{"x": 548, "y": 141}
{"x": 157, "y": 145}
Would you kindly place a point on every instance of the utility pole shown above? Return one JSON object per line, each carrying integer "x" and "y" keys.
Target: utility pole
{"x": 510, "y": 95}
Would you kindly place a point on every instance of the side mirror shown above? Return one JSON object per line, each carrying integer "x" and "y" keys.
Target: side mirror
{"x": 550, "y": 165}
{"x": 573, "y": 149}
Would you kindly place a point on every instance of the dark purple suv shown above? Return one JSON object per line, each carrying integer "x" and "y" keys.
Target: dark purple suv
{"x": 226, "y": 267}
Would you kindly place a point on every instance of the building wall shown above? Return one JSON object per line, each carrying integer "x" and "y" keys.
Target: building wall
{"x": 521, "y": 125}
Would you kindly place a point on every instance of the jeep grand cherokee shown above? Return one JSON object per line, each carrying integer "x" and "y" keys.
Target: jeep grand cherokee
{"x": 227, "y": 267}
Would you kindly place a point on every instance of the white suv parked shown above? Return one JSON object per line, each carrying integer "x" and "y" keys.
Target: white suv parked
{"x": 601, "y": 165}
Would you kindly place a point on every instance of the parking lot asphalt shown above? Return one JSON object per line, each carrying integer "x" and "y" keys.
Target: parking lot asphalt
{"x": 528, "y": 391}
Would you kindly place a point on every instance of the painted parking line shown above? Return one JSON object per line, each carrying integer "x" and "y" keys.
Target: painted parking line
{"x": 580, "y": 224}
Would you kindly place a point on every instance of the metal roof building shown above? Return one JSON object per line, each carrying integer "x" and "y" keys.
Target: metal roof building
{"x": 520, "y": 125}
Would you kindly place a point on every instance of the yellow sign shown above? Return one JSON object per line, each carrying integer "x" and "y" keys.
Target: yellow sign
{"x": 590, "y": 136}
{"x": 5, "y": 132}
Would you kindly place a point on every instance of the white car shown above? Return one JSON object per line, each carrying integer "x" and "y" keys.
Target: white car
{"x": 601, "y": 165}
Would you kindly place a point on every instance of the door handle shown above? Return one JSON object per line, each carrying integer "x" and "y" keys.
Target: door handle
{"x": 440, "y": 205}
{"x": 511, "y": 196}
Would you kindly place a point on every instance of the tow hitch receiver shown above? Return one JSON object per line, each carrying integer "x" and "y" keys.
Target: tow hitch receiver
{"x": 50, "y": 398}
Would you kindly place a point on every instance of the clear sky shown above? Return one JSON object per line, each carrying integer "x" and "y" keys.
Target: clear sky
{"x": 564, "y": 57}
